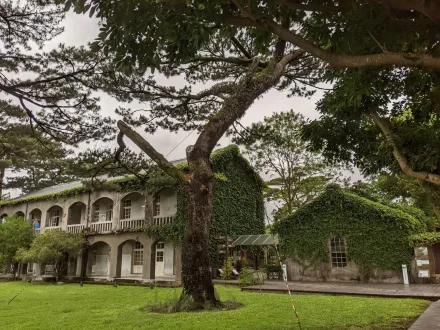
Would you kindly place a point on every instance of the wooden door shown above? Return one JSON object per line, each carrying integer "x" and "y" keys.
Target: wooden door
{"x": 436, "y": 253}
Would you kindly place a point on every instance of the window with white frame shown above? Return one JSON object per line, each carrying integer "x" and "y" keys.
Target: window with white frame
{"x": 159, "y": 256}
{"x": 55, "y": 218}
{"x": 109, "y": 212}
{"x": 138, "y": 254}
{"x": 338, "y": 252}
{"x": 126, "y": 209}
{"x": 157, "y": 205}
{"x": 96, "y": 213}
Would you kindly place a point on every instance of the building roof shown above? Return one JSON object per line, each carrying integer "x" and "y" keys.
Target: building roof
{"x": 77, "y": 186}
{"x": 264, "y": 239}
{"x": 317, "y": 209}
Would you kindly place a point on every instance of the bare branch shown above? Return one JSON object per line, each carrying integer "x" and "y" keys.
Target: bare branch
{"x": 386, "y": 128}
{"x": 146, "y": 147}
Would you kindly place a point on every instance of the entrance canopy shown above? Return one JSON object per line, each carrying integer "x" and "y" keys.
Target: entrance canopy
{"x": 255, "y": 240}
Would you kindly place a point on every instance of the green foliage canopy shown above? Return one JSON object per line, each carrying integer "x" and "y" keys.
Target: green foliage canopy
{"x": 53, "y": 248}
{"x": 15, "y": 233}
{"x": 274, "y": 146}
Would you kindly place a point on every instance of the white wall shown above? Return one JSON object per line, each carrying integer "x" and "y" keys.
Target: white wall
{"x": 168, "y": 260}
{"x": 168, "y": 202}
{"x": 127, "y": 250}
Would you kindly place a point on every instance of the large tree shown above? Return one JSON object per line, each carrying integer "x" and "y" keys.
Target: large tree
{"x": 274, "y": 147}
{"x": 49, "y": 86}
{"x": 240, "y": 50}
{"x": 33, "y": 160}
{"x": 15, "y": 233}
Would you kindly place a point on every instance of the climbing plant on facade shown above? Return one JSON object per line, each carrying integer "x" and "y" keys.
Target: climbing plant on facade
{"x": 377, "y": 236}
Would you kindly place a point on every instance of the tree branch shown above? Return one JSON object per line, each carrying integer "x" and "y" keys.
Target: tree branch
{"x": 246, "y": 91}
{"x": 386, "y": 129}
{"x": 342, "y": 61}
{"x": 146, "y": 147}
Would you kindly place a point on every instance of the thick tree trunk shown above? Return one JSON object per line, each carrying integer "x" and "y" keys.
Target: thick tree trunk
{"x": 196, "y": 272}
{"x": 2, "y": 181}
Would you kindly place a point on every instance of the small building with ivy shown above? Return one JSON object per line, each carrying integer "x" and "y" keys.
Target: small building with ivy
{"x": 340, "y": 236}
{"x": 134, "y": 227}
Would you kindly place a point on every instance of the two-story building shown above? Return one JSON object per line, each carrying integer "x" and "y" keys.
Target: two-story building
{"x": 116, "y": 221}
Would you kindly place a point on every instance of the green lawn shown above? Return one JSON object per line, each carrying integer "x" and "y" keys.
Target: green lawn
{"x": 69, "y": 306}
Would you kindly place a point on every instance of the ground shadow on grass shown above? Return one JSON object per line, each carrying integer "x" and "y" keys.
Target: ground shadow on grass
{"x": 186, "y": 305}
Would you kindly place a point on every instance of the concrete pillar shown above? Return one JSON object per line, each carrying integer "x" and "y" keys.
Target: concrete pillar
{"x": 65, "y": 216}
{"x": 113, "y": 261}
{"x": 146, "y": 269}
{"x": 178, "y": 252}
{"x": 148, "y": 209}
{"x": 117, "y": 210}
{"x": 78, "y": 266}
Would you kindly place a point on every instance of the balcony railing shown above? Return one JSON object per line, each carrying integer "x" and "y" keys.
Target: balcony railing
{"x": 131, "y": 223}
{"x": 58, "y": 228}
{"x": 159, "y": 221}
{"x": 102, "y": 227}
{"x": 74, "y": 229}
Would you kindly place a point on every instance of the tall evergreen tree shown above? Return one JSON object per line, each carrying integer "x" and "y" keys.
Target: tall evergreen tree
{"x": 274, "y": 147}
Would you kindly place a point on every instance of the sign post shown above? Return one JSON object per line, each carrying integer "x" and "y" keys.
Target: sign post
{"x": 405, "y": 274}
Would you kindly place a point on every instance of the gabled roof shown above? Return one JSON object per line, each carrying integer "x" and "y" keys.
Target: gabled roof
{"x": 76, "y": 187}
{"x": 323, "y": 203}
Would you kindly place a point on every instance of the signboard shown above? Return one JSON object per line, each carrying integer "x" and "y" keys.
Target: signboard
{"x": 422, "y": 262}
{"x": 423, "y": 273}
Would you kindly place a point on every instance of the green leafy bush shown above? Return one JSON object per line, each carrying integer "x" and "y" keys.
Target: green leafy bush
{"x": 53, "y": 248}
{"x": 227, "y": 269}
{"x": 246, "y": 277}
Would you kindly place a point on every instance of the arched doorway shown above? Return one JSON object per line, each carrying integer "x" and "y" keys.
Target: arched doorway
{"x": 19, "y": 214}
{"x": 3, "y": 217}
{"x": 35, "y": 216}
{"x": 130, "y": 259}
{"x": 102, "y": 210}
{"x": 98, "y": 261}
{"x": 77, "y": 213}
{"x": 132, "y": 212}
{"x": 54, "y": 216}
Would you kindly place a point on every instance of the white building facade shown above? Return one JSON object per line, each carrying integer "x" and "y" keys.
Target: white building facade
{"x": 118, "y": 248}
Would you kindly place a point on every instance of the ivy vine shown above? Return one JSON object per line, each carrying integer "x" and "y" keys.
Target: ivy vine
{"x": 377, "y": 236}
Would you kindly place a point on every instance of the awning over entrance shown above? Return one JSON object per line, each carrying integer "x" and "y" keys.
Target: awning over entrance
{"x": 246, "y": 240}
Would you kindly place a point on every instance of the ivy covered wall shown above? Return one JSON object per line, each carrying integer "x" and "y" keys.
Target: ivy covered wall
{"x": 238, "y": 207}
{"x": 377, "y": 236}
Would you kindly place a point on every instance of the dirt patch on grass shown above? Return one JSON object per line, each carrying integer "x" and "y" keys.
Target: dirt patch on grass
{"x": 173, "y": 306}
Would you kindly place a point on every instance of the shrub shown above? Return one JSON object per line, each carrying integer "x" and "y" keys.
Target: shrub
{"x": 227, "y": 269}
{"x": 246, "y": 277}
